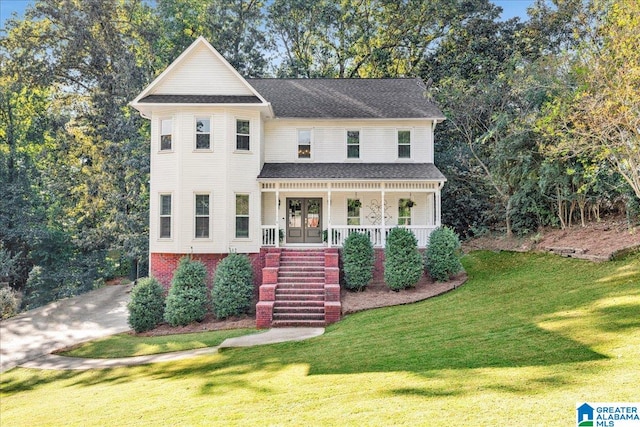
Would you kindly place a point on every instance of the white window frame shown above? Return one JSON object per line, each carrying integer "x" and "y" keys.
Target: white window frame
{"x": 162, "y": 215}
{"x": 404, "y": 145}
{"x": 162, "y": 134}
{"x": 201, "y": 215}
{"x": 353, "y": 145}
{"x": 407, "y": 219}
{"x": 359, "y": 217}
{"x": 310, "y": 143}
{"x": 247, "y": 215}
{"x": 248, "y": 135}
{"x": 209, "y": 133}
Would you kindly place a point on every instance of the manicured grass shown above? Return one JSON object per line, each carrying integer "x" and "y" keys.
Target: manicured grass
{"x": 126, "y": 345}
{"x": 526, "y": 338}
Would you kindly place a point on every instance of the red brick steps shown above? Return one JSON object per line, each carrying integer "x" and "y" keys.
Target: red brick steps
{"x": 300, "y": 288}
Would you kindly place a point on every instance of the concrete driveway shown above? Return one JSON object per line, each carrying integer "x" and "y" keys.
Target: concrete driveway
{"x": 71, "y": 321}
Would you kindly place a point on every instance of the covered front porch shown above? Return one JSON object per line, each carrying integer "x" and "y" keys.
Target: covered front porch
{"x": 324, "y": 212}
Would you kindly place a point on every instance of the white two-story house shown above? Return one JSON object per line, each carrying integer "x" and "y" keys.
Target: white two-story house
{"x": 240, "y": 165}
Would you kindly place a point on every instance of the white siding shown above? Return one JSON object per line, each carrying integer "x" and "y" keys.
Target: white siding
{"x": 378, "y": 140}
{"x": 201, "y": 73}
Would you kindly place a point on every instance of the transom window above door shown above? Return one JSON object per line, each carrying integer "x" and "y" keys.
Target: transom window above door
{"x": 304, "y": 143}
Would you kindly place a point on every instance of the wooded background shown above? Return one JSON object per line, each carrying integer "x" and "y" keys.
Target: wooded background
{"x": 542, "y": 129}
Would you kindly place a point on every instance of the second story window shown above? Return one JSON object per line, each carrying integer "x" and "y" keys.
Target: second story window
{"x": 404, "y": 144}
{"x": 304, "y": 144}
{"x": 242, "y": 135}
{"x": 353, "y": 144}
{"x": 165, "y": 134}
{"x": 165, "y": 216}
{"x": 203, "y": 134}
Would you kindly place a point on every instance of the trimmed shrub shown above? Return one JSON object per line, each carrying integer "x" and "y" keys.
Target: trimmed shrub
{"x": 357, "y": 261}
{"x": 9, "y": 302}
{"x": 187, "y": 299}
{"x": 402, "y": 262}
{"x": 442, "y": 255}
{"x": 233, "y": 286}
{"x": 146, "y": 308}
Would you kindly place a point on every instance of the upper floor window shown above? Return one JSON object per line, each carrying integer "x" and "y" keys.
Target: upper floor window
{"x": 242, "y": 215}
{"x": 242, "y": 134}
{"x": 404, "y": 144}
{"x": 304, "y": 144}
{"x": 165, "y": 134}
{"x": 165, "y": 216}
{"x": 353, "y": 211}
{"x": 202, "y": 215}
{"x": 404, "y": 211}
{"x": 203, "y": 134}
{"x": 353, "y": 144}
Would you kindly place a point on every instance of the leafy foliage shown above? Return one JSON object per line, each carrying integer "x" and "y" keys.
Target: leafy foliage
{"x": 402, "y": 262}
{"x": 442, "y": 255}
{"x": 146, "y": 308}
{"x": 9, "y": 302}
{"x": 357, "y": 261}
{"x": 233, "y": 286}
{"x": 187, "y": 299}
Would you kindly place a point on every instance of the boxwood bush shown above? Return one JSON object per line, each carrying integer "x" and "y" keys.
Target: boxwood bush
{"x": 146, "y": 308}
{"x": 357, "y": 261}
{"x": 187, "y": 300}
{"x": 442, "y": 255}
{"x": 403, "y": 264}
{"x": 233, "y": 286}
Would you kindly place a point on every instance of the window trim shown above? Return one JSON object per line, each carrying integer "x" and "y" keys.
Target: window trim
{"x": 353, "y": 145}
{"x": 359, "y": 217}
{"x": 242, "y": 150}
{"x": 162, "y": 215}
{"x": 404, "y": 145}
{"x": 310, "y": 130}
{"x": 196, "y": 216}
{"x": 161, "y": 121}
{"x": 247, "y": 215}
{"x": 196, "y": 133}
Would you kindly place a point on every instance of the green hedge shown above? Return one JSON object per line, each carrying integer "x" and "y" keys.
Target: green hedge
{"x": 442, "y": 255}
{"x": 187, "y": 300}
{"x": 146, "y": 308}
{"x": 403, "y": 264}
{"x": 357, "y": 261}
{"x": 233, "y": 286}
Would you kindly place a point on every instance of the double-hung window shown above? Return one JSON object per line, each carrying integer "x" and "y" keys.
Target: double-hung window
{"x": 353, "y": 144}
{"x": 404, "y": 144}
{"x": 242, "y": 135}
{"x": 304, "y": 144}
{"x": 165, "y": 216}
{"x": 165, "y": 134}
{"x": 242, "y": 215}
{"x": 203, "y": 134}
{"x": 404, "y": 211}
{"x": 353, "y": 211}
{"x": 202, "y": 216}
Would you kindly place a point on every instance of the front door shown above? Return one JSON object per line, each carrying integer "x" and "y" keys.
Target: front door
{"x": 304, "y": 220}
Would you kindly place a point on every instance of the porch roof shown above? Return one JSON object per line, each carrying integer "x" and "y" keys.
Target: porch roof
{"x": 351, "y": 171}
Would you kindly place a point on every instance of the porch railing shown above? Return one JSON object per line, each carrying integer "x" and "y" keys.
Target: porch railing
{"x": 340, "y": 232}
{"x": 269, "y": 235}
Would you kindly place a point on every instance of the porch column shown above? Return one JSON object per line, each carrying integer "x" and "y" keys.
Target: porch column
{"x": 329, "y": 231}
{"x": 383, "y": 236}
{"x": 277, "y": 232}
{"x": 437, "y": 207}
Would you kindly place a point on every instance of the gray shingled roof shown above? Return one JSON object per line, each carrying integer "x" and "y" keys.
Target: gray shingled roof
{"x": 352, "y": 171}
{"x": 201, "y": 99}
{"x": 347, "y": 98}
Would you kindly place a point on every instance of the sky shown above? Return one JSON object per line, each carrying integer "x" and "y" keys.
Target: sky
{"x": 511, "y": 8}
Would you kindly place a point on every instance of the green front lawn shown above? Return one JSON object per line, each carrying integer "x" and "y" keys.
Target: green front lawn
{"x": 521, "y": 343}
{"x": 127, "y": 345}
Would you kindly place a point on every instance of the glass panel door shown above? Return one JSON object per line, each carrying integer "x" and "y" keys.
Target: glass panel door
{"x": 304, "y": 220}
